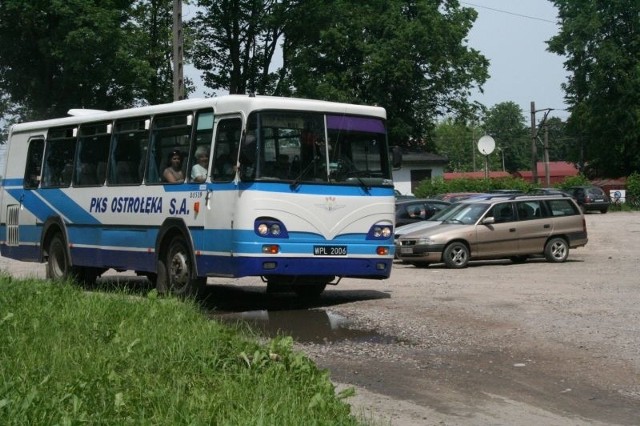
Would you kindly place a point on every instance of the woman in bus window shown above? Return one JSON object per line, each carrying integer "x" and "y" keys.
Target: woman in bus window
{"x": 199, "y": 169}
{"x": 173, "y": 173}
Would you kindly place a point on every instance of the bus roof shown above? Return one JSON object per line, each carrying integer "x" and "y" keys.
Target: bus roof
{"x": 221, "y": 105}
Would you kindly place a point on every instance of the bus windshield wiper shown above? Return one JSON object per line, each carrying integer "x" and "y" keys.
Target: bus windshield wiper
{"x": 304, "y": 171}
{"x": 347, "y": 169}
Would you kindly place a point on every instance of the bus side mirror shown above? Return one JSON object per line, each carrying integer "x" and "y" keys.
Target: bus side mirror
{"x": 396, "y": 157}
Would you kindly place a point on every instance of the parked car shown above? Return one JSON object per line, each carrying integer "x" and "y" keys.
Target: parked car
{"x": 401, "y": 196}
{"x": 549, "y": 191}
{"x": 590, "y": 198}
{"x": 453, "y": 197}
{"x": 516, "y": 227}
{"x": 417, "y": 209}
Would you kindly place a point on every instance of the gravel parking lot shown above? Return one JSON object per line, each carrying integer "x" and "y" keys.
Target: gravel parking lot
{"x": 501, "y": 343}
{"x": 495, "y": 343}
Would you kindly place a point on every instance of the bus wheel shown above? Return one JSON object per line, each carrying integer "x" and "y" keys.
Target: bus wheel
{"x": 176, "y": 271}
{"x": 58, "y": 264}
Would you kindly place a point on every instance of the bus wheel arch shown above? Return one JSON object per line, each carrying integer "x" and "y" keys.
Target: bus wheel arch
{"x": 176, "y": 268}
{"x": 57, "y": 255}
{"x": 55, "y": 250}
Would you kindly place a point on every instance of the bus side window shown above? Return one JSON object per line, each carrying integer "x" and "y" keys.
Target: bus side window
{"x": 34, "y": 163}
{"x": 129, "y": 142}
{"x": 59, "y": 156}
{"x": 93, "y": 151}
{"x": 199, "y": 158}
{"x": 170, "y": 134}
{"x": 225, "y": 152}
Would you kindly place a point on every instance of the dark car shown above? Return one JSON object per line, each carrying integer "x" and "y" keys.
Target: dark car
{"x": 549, "y": 191}
{"x": 401, "y": 196}
{"x": 454, "y": 197}
{"x": 418, "y": 209}
{"x": 590, "y": 198}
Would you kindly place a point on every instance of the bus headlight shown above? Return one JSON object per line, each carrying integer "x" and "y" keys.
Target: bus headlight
{"x": 270, "y": 228}
{"x": 380, "y": 232}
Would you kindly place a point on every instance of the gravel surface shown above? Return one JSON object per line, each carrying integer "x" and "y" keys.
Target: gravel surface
{"x": 501, "y": 343}
{"x": 496, "y": 343}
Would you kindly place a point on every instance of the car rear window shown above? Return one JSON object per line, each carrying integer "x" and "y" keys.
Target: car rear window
{"x": 562, "y": 207}
{"x": 595, "y": 192}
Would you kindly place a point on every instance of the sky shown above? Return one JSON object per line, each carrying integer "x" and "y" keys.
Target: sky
{"x": 512, "y": 35}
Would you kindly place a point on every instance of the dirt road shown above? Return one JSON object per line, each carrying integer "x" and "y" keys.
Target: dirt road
{"x": 499, "y": 343}
{"x": 496, "y": 343}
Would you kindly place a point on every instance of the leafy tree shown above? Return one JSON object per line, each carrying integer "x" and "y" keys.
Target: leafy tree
{"x": 562, "y": 146}
{"x": 408, "y": 56}
{"x": 601, "y": 40}
{"x": 234, "y": 43}
{"x": 150, "y": 35}
{"x": 458, "y": 142}
{"x": 56, "y": 55}
{"x": 506, "y": 124}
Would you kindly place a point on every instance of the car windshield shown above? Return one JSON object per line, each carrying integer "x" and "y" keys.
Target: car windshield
{"x": 465, "y": 213}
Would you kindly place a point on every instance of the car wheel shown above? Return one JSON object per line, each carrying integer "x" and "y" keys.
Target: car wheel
{"x": 556, "y": 250}
{"x": 456, "y": 255}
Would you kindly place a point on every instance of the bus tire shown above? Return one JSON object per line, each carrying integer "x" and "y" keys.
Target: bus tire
{"x": 176, "y": 272}
{"x": 58, "y": 263}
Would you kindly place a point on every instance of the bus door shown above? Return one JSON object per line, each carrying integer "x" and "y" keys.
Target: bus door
{"x": 220, "y": 162}
{"x": 24, "y": 216}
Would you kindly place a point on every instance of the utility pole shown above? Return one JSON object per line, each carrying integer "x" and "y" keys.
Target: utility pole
{"x": 473, "y": 146}
{"x": 534, "y": 149}
{"x": 178, "y": 77}
{"x": 546, "y": 152}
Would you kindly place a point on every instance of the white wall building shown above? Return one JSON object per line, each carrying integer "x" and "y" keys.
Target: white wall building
{"x": 417, "y": 167}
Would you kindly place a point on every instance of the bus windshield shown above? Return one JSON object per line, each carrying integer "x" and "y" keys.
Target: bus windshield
{"x": 315, "y": 147}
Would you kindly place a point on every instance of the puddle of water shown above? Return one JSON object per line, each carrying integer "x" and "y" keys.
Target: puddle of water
{"x": 305, "y": 326}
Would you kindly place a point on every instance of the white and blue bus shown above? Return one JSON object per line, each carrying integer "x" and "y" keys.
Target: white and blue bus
{"x": 295, "y": 191}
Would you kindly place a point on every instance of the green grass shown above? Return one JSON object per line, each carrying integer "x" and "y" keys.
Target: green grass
{"x": 70, "y": 357}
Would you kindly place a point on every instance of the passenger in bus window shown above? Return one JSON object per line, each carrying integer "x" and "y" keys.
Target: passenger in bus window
{"x": 199, "y": 169}
{"x": 173, "y": 173}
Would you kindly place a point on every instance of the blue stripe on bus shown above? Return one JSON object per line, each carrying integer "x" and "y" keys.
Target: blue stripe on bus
{"x": 34, "y": 202}
{"x": 317, "y": 189}
{"x": 12, "y": 182}
{"x": 117, "y": 259}
{"x": 323, "y": 188}
{"x": 69, "y": 208}
{"x": 251, "y": 266}
{"x": 240, "y": 241}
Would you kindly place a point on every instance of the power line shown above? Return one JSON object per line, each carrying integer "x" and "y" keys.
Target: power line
{"x": 508, "y": 13}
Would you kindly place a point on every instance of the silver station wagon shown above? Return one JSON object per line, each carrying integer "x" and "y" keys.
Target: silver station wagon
{"x": 514, "y": 227}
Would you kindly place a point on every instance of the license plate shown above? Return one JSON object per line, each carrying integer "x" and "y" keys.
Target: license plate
{"x": 330, "y": 250}
{"x": 406, "y": 250}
